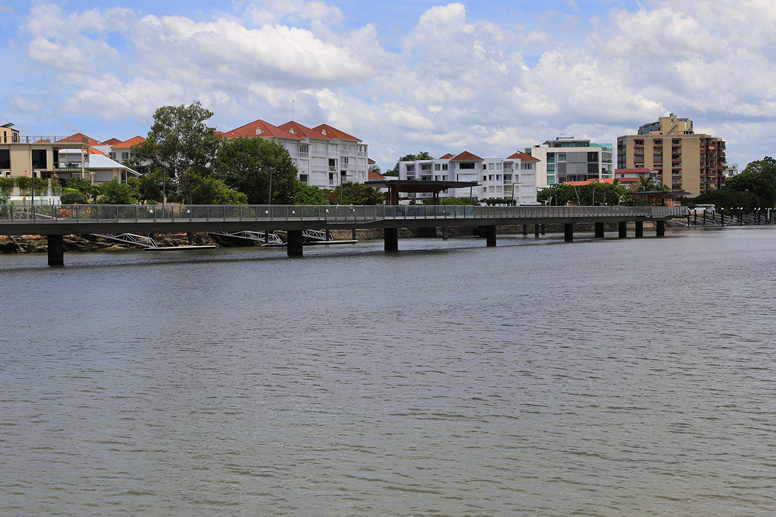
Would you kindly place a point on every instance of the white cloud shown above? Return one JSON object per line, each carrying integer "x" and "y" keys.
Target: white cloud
{"x": 456, "y": 82}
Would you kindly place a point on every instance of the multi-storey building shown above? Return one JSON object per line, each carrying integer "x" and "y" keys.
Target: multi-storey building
{"x": 499, "y": 178}
{"x": 570, "y": 159}
{"x": 324, "y": 156}
{"x": 684, "y": 160}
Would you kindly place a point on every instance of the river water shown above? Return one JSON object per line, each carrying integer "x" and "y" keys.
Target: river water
{"x": 600, "y": 377}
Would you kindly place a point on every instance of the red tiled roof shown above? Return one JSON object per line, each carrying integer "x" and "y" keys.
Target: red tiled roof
{"x": 262, "y": 129}
{"x": 333, "y": 132}
{"x": 129, "y": 143}
{"x": 112, "y": 142}
{"x": 446, "y": 157}
{"x": 295, "y": 128}
{"x": 80, "y": 138}
{"x": 638, "y": 171}
{"x": 466, "y": 156}
{"x": 523, "y": 157}
{"x": 375, "y": 176}
{"x": 92, "y": 150}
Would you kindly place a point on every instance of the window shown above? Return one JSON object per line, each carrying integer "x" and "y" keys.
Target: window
{"x": 491, "y": 166}
{"x": 304, "y": 150}
{"x": 561, "y": 157}
{"x": 437, "y": 167}
{"x": 466, "y": 165}
{"x": 498, "y": 166}
{"x": 551, "y": 168}
{"x": 550, "y": 179}
{"x": 550, "y": 158}
{"x": 5, "y": 158}
{"x": 529, "y": 166}
{"x": 490, "y": 177}
{"x": 304, "y": 178}
{"x": 39, "y": 159}
{"x": 444, "y": 166}
{"x": 411, "y": 168}
{"x": 592, "y": 157}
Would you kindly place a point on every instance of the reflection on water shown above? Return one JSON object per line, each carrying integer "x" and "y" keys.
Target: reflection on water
{"x": 606, "y": 377}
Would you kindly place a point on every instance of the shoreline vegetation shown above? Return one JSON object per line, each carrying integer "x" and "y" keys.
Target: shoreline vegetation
{"x": 92, "y": 243}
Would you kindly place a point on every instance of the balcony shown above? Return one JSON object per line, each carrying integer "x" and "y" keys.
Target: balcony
{"x": 59, "y": 140}
{"x": 69, "y": 166}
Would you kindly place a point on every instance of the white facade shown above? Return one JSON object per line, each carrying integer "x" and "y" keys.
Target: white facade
{"x": 512, "y": 178}
{"x": 324, "y": 156}
{"x": 570, "y": 159}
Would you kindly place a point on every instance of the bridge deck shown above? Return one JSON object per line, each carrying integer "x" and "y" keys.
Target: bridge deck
{"x": 81, "y": 219}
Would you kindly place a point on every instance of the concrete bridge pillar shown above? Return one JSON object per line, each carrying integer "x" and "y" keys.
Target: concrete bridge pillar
{"x": 623, "y": 227}
{"x": 537, "y": 230}
{"x": 525, "y": 230}
{"x": 294, "y": 245}
{"x": 639, "y": 229}
{"x": 490, "y": 236}
{"x": 56, "y": 250}
{"x": 599, "y": 230}
{"x": 568, "y": 231}
{"x": 391, "y": 239}
{"x": 661, "y": 228}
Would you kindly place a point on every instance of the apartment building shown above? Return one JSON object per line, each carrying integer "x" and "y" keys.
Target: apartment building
{"x": 499, "y": 178}
{"x": 568, "y": 159}
{"x": 324, "y": 156}
{"x": 684, "y": 160}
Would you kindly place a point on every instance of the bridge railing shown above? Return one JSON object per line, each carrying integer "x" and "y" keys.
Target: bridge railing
{"x": 329, "y": 214}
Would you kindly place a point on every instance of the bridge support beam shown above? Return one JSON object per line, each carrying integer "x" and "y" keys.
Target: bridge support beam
{"x": 661, "y": 228}
{"x": 599, "y": 230}
{"x": 623, "y": 227}
{"x": 639, "y": 229}
{"x": 391, "y": 239}
{"x": 568, "y": 232}
{"x": 490, "y": 236}
{"x": 56, "y": 250}
{"x": 294, "y": 245}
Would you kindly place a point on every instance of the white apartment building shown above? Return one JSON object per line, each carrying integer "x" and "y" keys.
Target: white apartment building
{"x": 571, "y": 159}
{"x": 324, "y": 155}
{"x": 499, "y": 178}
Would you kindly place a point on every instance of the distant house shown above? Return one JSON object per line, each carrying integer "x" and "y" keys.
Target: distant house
{"x": 512, "y": 178}
{"x": 324, "y": 156}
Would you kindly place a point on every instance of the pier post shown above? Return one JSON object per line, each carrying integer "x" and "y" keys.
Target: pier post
{"x": 391, "y": 239}
{"x": 537, "y": 230}
{"x": 568, "y": 231}
{"x": 294, "y": 245}
{"x": 56, "y": 250}
{"x": 661, "y": 228}
{"x": 639, "y": 229}
{"x": 544, "y": 228}
{"x": 525, "y": 230}
{"x": 623, "y": 227}
{"x": 490, "y": 236}
{"x": 599, "y": 230}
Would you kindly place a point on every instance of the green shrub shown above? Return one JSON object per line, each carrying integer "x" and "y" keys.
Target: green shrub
{"x": 71, "y": 196}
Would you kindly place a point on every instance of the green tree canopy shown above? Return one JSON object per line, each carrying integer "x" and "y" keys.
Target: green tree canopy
{"x": 83, "y": 185}
{"x": 357, "y": 194}
{"x": 115, "y": 193}
{"x": 422, "y": 155}
{"x": 213, "y": 191}
{"x": 309, "y": 195}
{"x": 181, "y": 143}
{"x": 245, "y": 164}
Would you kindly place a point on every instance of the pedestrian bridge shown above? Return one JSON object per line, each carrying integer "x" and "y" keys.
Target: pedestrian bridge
{"x": 56, "y": 221}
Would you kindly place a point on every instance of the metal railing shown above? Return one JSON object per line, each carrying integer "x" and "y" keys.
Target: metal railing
{"x": 322, "y": 213}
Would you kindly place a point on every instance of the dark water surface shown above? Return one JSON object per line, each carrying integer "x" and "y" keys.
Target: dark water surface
{"x": 614, "y": 377}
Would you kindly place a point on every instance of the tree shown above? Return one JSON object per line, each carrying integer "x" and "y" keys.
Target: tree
{"x": 115, "y": 193}
{"x": 182, "y": 144}
{"x": 356, "y": 193}
{"x": 148, "y": 187}
{"x": 556, "y": 195}
{"x": 422, "y": 155}
{"x": 6, "y": 186}
{"x": 309, "y": 195}
{"x": 213, "y": 191}
{"x": 89, "y": 190}
{"x": 249, "y": 164}
{"x": 763, "y": 185}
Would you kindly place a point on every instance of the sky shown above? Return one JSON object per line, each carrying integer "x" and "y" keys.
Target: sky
{"x": 490, "y": 76}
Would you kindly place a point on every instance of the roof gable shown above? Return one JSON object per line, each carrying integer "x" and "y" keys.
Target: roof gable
{"x": 262, "y": 129}
{"x": 295, "y": 128}
{"x": 446, "y": 157}
{"x": 333, "y": 132}
{"x": 466, "y": 156}
{"x": 79, "y": 138}
{"x": 523, "y": 157}
{"x": 129, "y": 143}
